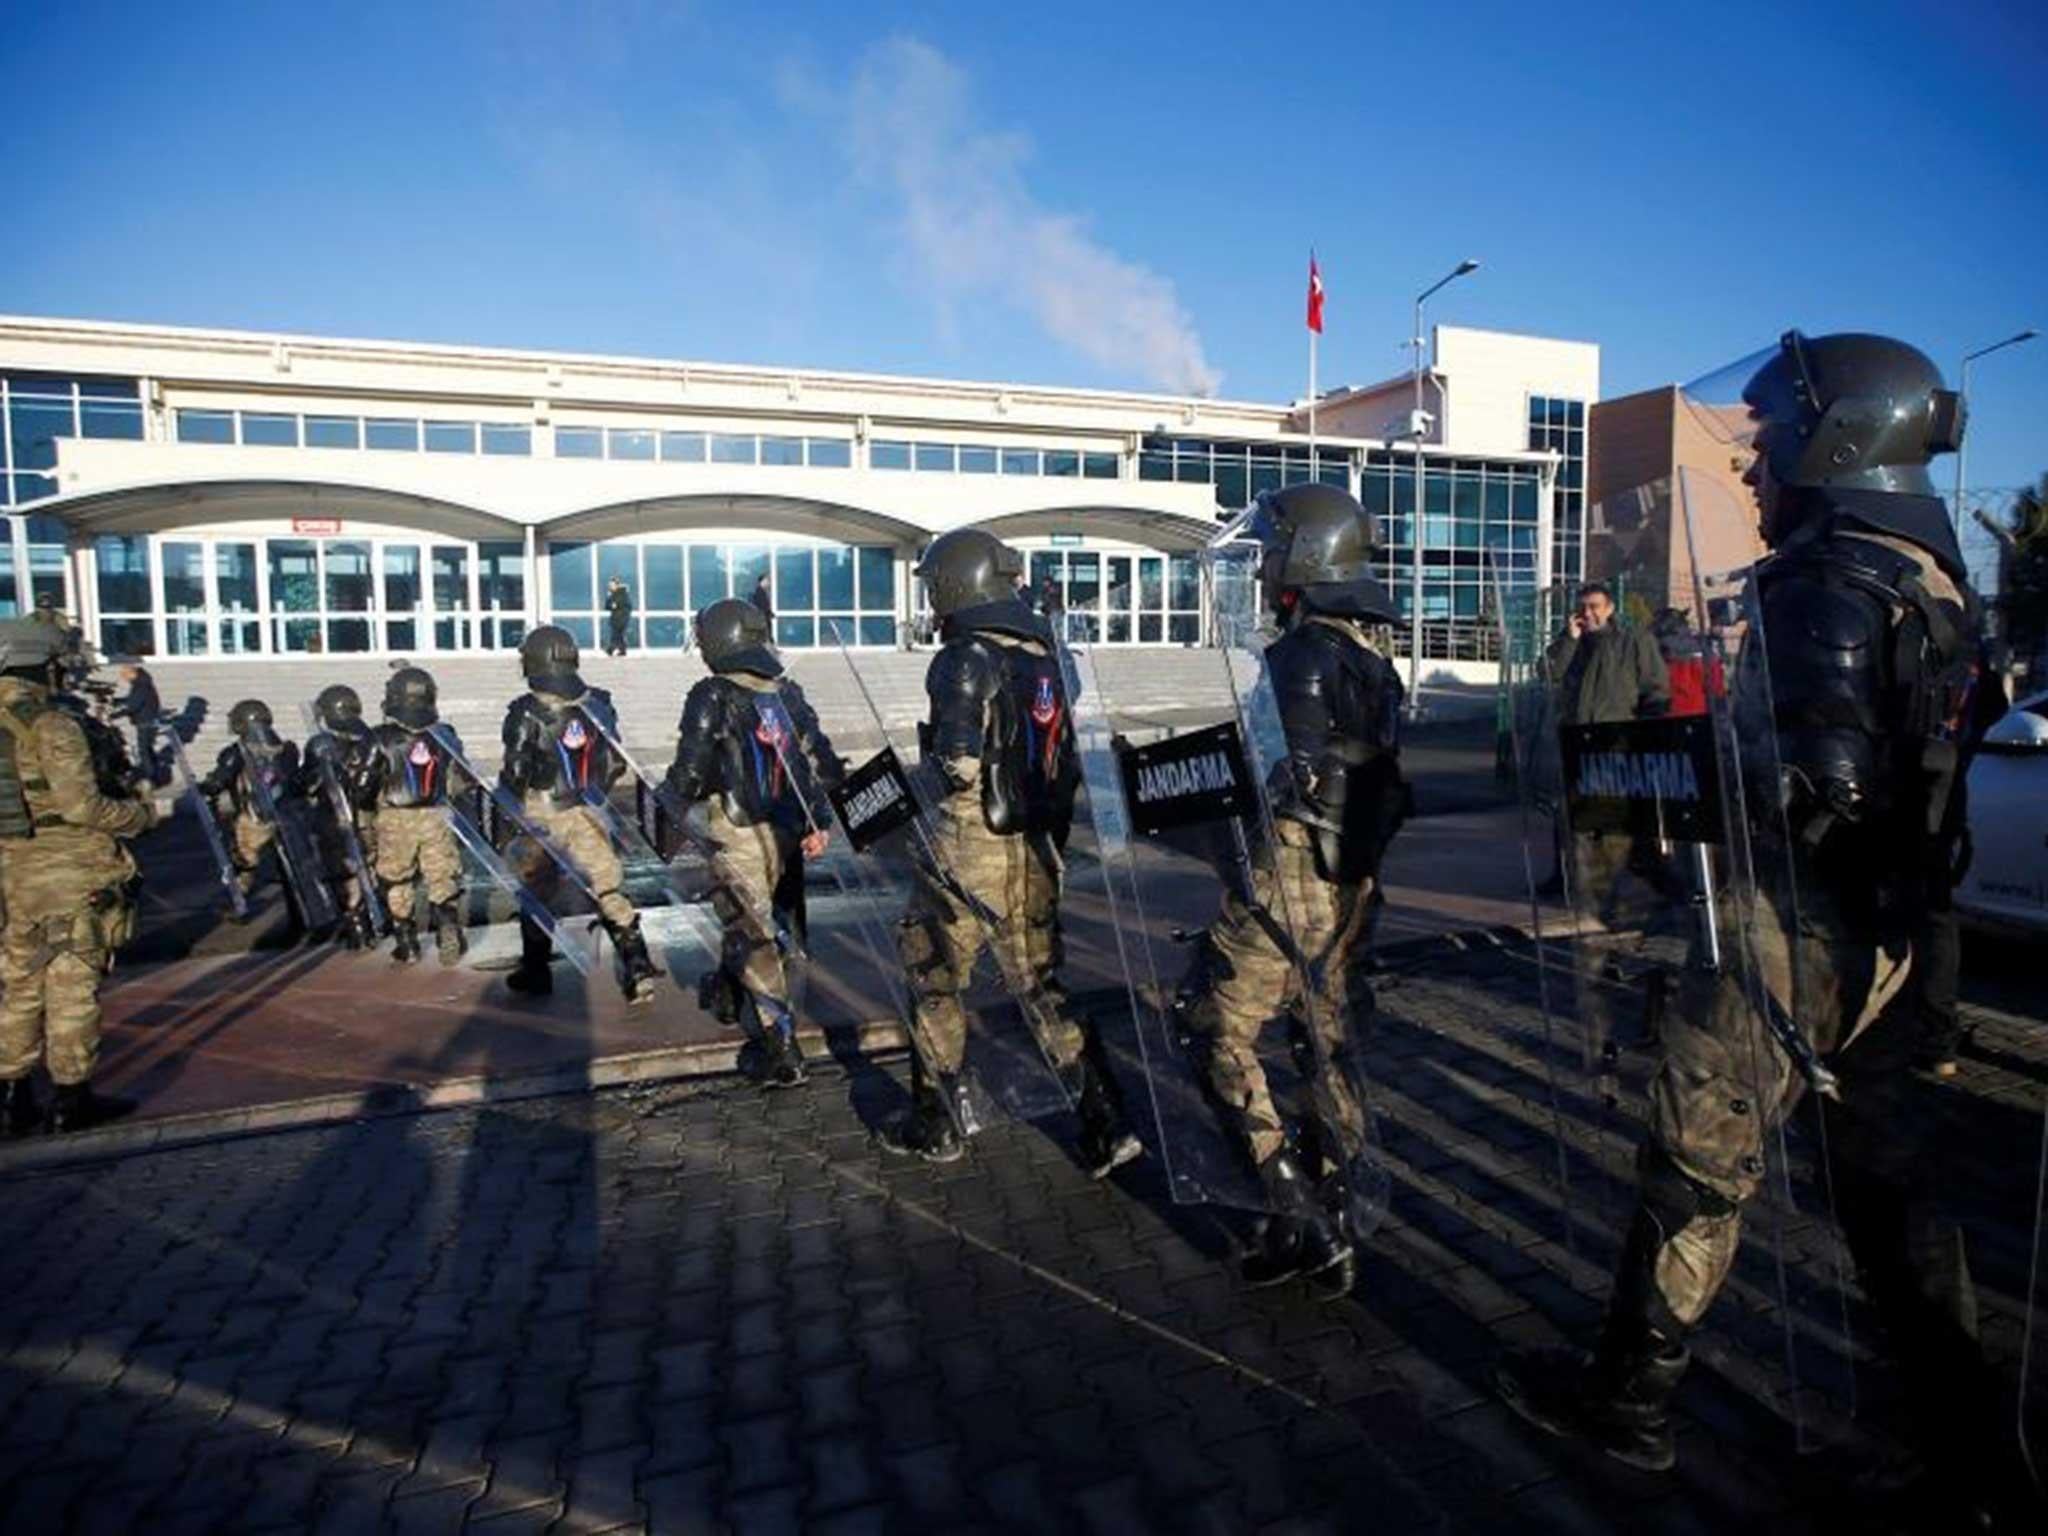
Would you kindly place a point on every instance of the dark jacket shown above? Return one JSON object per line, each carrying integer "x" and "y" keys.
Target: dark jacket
{"x": 1616, "y": 673}
{"x": 140, "y": 702}
{"x": 619, "y": 604}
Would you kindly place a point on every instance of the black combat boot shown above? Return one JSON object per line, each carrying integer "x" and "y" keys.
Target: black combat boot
{"x": 405, "y": 940}
{"x": 637, "y": 970}
{"x": 1107, "y": 1142}
{"x": 1301, "y": 1238}
{"x": 449, "y": 938}
{"x": 75, "y": 1107}
{"x": 534, "y": 975}
{"x": 354, "y": 929}
{"x": 1616, "y": 1398}
{"x": 926, "y": 1131}
{"x": 719, "y": 995}
{"x": 783, "y": 1064}
{"x": 19, "y": 1112}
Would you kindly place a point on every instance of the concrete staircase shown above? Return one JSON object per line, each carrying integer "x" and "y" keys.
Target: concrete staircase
{"x": 1146, "y": 691}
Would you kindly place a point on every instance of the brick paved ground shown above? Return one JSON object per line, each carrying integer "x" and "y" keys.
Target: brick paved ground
{"x": 693, "y": 1308}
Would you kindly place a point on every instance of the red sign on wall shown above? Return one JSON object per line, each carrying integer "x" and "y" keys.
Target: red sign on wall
{"x": 327, "y": 525}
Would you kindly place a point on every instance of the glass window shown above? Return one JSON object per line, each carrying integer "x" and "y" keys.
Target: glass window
{"x": 193, "y": 427}
{"x": 935, "y": 457}
{"x": 888, "y": 455}
{"x": 451, "y": 437}
{"x": 29, "y": 488}
{"x": 667, "y": 634}
{"x": 184, "y": 576}
{"x": 621, "y": 562}
{"x": 1233, "y": 486}
{"x": 583, "y": 630}
{"x": 501, "y": 574}
{"x": 348, "y": 635}
{"x": 1155, "y": 464}
{"x": 569, "y": 574}
{"x": 1100, "y": 466}
{"x": 127, "y": 637}
{"x": 796, "y": 632}
{"x": 46, "y": 573}
{"x": 123, "y": 563}
{"x": 873, "y": 631}
{"x": 1186, "y": 581}
{"x": 682, "y": 447}
{"x": 977, "y": 461}
{"x": 877, "y": 565}
{"x": 392, "y": 435}
{"x": 726, "y": 449}
{"x": 1020, "y": 461}
{"x": 234, "y": 578}
{"x": 451, "y": 578}
{"x": 835, "y": 578}
{"x": 185, "y": 637}
{"x": 401, "y": 578}
{"x": 793, "y": 584}
{"x": 508, "y": 439}
{"x": 262, "y": 429}
{"x": 629, "y": 443}
{"x": 830, "y": 453}
{"x": 748, "y": 567}
{"x": 707, "y": 575}
{"x": 109, "y": 408}
{"x": 294, "y": 576}
{"x": 348, "y": 577}
{"x": 1063, "y": 462}
{"x": 664, "y": 568}
{"x": 782, "y": 450}
{"x": 579, "y": 443}
{"x": 334, "y": 432}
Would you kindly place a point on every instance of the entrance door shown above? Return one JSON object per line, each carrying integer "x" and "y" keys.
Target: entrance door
{"x": 1121, "y": 600}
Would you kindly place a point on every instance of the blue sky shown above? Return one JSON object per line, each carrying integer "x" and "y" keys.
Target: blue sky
{"x": 1079, "y": 193}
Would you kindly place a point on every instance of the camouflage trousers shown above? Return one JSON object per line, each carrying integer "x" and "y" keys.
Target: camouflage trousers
{"x": 1252, "y": 981}
{"x": 752, "y": 871}
{"x": 251, "y": 836}
{"x": 576, "y": 831}
{"x": 1015, "y": 881}
{"x": 58, "y": 945}
{"x": 334, "y": 859}
{"x": 414, "y": 843}
{"x": 1724, "y": 1085}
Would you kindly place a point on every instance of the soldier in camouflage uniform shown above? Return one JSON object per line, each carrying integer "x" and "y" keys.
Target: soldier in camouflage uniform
{"x": 1865, "y": 632}
{"x": 257, "y": 748}
{"x": 558, "y": 764}
{"x": 1002, "y": 748}
{"x": 742, "y": 730}
{"x": 408, "y": 776}
{"x": 65, "y": 880}
{"x": 1336, "y": 804}
{"x": 342, "y": 744}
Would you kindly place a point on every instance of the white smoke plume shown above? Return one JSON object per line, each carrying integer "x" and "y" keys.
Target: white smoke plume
{"x": 972, "y": 230}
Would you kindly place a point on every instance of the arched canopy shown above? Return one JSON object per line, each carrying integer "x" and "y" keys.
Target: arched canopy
{"x": 1170, "y": 531}
{"x": 768, "y": 514}
{"x": 189, "y": 504}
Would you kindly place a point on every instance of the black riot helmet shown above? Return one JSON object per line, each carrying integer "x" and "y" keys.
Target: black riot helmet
{"x": 733, "y": 636}
{"x": 549, "y": 657}
{"x": 411, "y": 698}
{"x": 339, "y": 708}
{"x": 971, "y": 577}
{"x": 251, "y": 715}
{"x": 1852, "y": 411}
{"x": 27, "y": 648}
{"x": 1319, "y": 547}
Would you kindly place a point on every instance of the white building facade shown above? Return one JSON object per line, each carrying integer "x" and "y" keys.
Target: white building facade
{"x": 190, "y": 494}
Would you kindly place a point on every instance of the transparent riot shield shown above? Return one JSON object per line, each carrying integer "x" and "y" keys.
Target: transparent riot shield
{"x": 637, "y": 842}
{"x": 1335, "y": 1101}
{"x": 502, "y": 808}
{"x": 298, "y": 855}
{"x": 484, "y": 858}
{"x": 863, "y": 898}
{"x": 1009, "y": 1048}
{"x": 1788, "y": 979}
{"x": 343, "y": 813}
{"x": 1134, "y": 873}
{"x": 223, "y": 862}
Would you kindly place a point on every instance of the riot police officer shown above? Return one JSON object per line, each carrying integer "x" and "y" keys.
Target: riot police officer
{"x": 342, "y": 745}
{"x": 1290, "y": 939}
{"x": 1001, "y": 745}
{"x": 1863, "y": 625}
{"x": 559, "y": 765}
{"x": 408, "y": 777}
{"x": 256, "y": 749}
{"x": 66, "y": 882}
{"x": 743, "y": 729}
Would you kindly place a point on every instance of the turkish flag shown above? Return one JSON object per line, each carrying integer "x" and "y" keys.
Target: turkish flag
{"x": 1315, "y": 295}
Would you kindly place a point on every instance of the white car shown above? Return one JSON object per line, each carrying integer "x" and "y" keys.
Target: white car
{"x": 2007, "y": 883}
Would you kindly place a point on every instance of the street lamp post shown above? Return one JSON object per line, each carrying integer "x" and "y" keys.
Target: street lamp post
{"x": 1416, "y": 430}
{"x": 1963, "y": 389}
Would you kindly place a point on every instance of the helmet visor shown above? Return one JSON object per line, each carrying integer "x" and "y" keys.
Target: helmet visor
{"x": 1718, "y": 402}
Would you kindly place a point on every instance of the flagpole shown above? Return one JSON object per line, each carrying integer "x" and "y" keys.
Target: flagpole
{"x": 1312, "y": 405}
